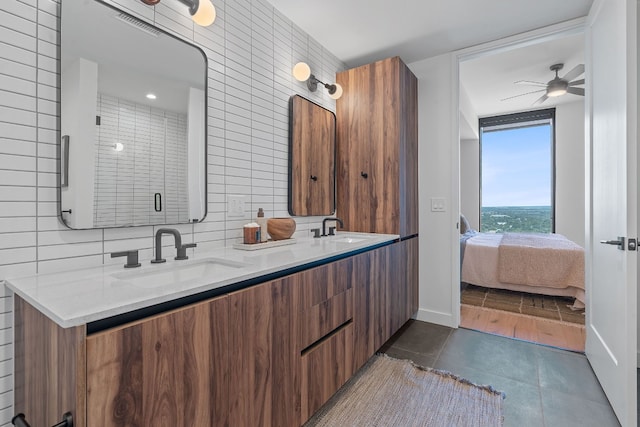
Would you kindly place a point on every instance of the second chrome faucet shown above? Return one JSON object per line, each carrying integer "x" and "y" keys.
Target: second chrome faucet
{"x": 181, "y": 250}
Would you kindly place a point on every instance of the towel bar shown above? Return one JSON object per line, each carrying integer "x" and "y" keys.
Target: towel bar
{"x": 20, "y": 421}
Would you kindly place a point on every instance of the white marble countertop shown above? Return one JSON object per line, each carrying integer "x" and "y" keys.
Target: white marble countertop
{"x": 77, "y": 297}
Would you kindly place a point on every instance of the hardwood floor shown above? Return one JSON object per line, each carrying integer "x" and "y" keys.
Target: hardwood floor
{"x": 529, "y": 328}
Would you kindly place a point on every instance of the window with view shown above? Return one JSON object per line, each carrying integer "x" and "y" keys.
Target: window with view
{"x": 517, "y": 172}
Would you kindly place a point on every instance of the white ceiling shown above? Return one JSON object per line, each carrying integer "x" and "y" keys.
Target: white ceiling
{"x": 362, "y": 31}
{"x": 490, "y": 79}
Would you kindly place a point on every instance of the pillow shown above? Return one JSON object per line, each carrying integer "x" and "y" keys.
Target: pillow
{"x": 464, "y": 224}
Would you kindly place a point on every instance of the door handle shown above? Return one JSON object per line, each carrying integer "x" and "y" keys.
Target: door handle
{"x": 619, "y": 243}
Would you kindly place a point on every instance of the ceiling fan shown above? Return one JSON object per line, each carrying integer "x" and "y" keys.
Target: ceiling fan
{"x": 558, "y": 86}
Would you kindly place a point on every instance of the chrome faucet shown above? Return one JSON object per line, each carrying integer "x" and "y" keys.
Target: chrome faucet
{"x": 181, "y": 250}
{"x": 324, "y": 226}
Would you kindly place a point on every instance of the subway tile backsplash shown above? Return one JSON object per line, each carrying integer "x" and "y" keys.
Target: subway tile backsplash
{"x": 251, "y": 49}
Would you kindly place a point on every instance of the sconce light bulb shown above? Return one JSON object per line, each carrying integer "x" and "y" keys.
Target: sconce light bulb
{"x": 206, "y": 13}
{"x": 338, "y": 92}
{"x": 301, "y": 71}
{"x": 118, "y": 146}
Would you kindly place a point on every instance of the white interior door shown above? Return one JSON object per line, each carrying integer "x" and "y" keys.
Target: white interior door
{"x": 611, "y": 273}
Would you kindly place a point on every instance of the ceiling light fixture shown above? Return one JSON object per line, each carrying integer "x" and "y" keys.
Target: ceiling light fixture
{"x": 557, "y": 87}
{"x": 118, "y": 146}
{"x": 302, "y": 72}
{"x": 151, "y": 96}
{"x": 202, "y": 12}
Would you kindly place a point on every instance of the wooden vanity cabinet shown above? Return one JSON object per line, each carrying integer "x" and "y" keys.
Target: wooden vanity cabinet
{"x": 49, "y": 366}
{"x": 268, "y": 355}
{"x": 264, "y": 361}
{"x": 385, "y": 286}
{"x": 377, "y": 148}
{"x": 167, "y": 370}
{"x": 326, "y": 333}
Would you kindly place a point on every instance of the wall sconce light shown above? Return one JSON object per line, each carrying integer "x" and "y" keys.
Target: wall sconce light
{"x": 202, "y": 11}
{"x": 302, "y": 72}
{"x": 118, "y": 146}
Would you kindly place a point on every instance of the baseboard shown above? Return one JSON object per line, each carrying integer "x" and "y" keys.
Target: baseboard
{"x": 437, "y": 317}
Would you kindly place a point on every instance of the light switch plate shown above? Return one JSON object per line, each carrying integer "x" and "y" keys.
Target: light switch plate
{"x": 438, "y": 204}
{"x": 235, "y": 206}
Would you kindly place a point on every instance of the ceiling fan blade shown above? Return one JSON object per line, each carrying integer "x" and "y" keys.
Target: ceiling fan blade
{"x": 530, "y": 83}
{"x": 576, "y": 91}
{"x": 576, "y": 82}
{"x": 523, "y": 94}
{"x": 540, "y": 100}
{"x": 575, "y": 72}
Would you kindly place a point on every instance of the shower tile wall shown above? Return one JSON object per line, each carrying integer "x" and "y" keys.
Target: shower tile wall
{"x": 154, "y": 150}
{"x": 251, "y": 49}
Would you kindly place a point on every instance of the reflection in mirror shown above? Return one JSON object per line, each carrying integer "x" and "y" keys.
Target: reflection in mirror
{"x": 133, "y": 121}
{"x": 312, "y": 136}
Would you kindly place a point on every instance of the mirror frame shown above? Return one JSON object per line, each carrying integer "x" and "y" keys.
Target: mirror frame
{"x": 63, "y": 162}
{"x": 303, "y": 163}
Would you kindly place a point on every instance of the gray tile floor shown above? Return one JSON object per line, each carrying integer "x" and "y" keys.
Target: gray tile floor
{"x": 544, "y": 386}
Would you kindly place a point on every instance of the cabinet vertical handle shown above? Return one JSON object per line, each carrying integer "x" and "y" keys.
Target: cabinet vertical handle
{"x": 158, "y": 202}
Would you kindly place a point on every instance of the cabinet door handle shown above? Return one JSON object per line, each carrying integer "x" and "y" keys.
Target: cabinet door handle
{"x": 364, "y": 175}
{"x": 314, "y": 178}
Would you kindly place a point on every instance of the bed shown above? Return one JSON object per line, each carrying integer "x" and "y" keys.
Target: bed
{"x": 547, "y": 264}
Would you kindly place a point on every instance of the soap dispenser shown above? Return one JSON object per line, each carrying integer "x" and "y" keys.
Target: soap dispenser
{"x": 262, "y": 221}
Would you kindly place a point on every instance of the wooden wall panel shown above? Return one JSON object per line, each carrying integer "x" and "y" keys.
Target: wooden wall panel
{"x": 49, "y": 368}
{"x": 265, "y": 360}
{"x": 167, "y": 370}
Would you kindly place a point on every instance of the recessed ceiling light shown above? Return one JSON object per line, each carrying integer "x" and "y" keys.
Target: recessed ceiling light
{"x": 151, "y": 96}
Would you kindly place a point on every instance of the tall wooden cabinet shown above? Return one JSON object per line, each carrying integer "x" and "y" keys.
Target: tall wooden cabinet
{"x": 377, "y": 148}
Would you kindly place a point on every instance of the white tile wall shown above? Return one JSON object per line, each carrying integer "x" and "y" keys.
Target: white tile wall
{"x": 251, "y": 49}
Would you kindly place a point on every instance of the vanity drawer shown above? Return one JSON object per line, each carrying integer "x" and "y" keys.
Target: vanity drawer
{"x": 320, "y": 319}
{"x": 325, "y": 368}
{"x": 326, "y": 300}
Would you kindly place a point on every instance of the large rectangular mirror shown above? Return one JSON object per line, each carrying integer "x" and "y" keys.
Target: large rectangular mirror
{"x": 133, "y": 121}
{"x": 312, "y": 158}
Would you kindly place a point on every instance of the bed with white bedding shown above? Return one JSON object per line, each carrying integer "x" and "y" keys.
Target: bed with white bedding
{"x": 547, "y": 264}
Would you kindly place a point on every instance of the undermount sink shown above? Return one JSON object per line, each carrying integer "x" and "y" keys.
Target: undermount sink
{"x": 349, "y": 238}
{"x": 177, "y": 273}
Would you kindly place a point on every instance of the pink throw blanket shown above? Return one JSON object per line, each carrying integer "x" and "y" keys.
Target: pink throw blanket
{"x": 534, "y": 259}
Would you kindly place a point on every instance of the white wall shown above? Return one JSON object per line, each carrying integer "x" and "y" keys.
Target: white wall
{"x": 470, "y": 181}
{"x": 570, "y": 178}
{"x": 436, "y": 155}
{"x": 251, "y": 49}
